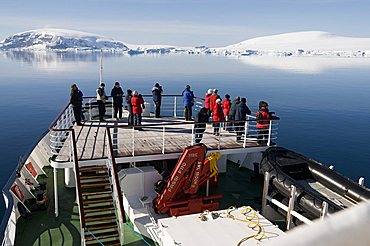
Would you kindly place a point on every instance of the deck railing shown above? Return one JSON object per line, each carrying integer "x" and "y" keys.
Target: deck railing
{"x": 160, "y": 138}
{"x": 171, "y": 106}
{"x": 173, "y": 137}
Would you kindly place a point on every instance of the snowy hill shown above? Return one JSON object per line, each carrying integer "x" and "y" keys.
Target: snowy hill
{"x": 59, "y": 40}
{"x": 300, "y": 43}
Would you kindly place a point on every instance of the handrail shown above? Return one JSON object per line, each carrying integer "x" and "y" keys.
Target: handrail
{"x": 114, "y": 173}
{"x": 78, "y": 181}
{"x": 53, "y": 123}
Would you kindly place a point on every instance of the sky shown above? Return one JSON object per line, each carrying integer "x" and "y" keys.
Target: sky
{"x": 188, "y": 22}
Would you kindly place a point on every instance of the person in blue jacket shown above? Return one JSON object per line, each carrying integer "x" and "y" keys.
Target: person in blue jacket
{"x": 188, "y": 102}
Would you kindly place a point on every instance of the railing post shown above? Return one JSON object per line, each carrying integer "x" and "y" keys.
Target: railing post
{"x": 361, "y": 181}
{"x": 290, "y": 206}
{"x": 90, "y": 109}
{"x": 265, "y": 190}
{"x": 163, "y": 136}
{"x": 324, "y": 210}
{"x": 245, "y": 134}
{"x": 269, "y": 136}
{"x": 219, "y": 135}
{"x": 192, "y": 134}
{"x": 133, "y": 141}
{"x": 175, "y": 107}
{"x": 112, "y": 109}
{"x": 56, "y": 202}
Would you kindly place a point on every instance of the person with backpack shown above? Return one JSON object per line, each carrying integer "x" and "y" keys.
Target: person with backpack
{"x": 117, "y": 94}
{"x": 264, "y": 116}
{"x": 218, "y": 115}
{"x": 101, "y": 98}
{"x": 76, "y": 102}
{"x": 157, "y": 99}
{"x": 241, "y": 114}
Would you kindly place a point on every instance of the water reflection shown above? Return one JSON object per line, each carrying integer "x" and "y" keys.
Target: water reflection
{"x": 74, "y": 61}
{"x": 56, "y": 61}
{"x": 307, "y": 65}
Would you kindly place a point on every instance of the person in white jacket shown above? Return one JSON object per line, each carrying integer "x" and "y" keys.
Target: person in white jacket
{"x": 101, "y": 98}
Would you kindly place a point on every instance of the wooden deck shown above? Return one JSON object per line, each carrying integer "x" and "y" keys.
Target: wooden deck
{"x": 92, "y": 140}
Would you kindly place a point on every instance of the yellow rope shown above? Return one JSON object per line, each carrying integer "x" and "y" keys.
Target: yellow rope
{"x": 253, "y": 221}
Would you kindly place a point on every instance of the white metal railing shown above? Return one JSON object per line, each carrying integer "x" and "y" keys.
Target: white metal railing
{"x": 290, "y": 208}
{"x": 169, "y": 138}
{"x": 59, "y": 133}
{"x": 163, "y": 137}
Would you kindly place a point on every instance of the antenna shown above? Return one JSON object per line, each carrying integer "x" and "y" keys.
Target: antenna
{"x": 101, "y": 66}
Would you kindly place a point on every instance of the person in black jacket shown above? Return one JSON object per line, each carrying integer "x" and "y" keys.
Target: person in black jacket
{"x": 201, "y": 124}
{"x": 241, "y": 114}
{"x": 117, "y": 94}
{"x": 232, "y": 113}
{"x": 76, "y": 102}
{"x": 130, "y": 117}
{"x": 157, "y": 98}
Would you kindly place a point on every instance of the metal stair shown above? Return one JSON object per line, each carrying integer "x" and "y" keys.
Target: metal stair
{"x": 98, "y": 206}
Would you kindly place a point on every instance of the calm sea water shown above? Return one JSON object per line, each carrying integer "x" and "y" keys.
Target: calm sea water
{"x": 324, "y": 103}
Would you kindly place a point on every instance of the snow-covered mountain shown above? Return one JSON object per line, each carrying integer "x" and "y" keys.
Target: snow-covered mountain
{"x": 313, "y": 43}
{"x": 300, "y": 43}
{"x": 59, "y": 40}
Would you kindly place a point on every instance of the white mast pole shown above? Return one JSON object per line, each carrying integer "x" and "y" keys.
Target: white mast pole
{"x": 101, "y": 66}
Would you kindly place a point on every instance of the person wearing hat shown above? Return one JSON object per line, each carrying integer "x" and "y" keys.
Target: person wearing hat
{"x": 117, "y": 94}
{"x": 213, "y": 98}
{"x": 241, "y": 114}
{"x": 76, "y": 102}
{"x": 218, "y": 115}
{"x": 157, "y": 99}
{"x": 264, "y": 116}
{"x": 101, "y": 98}
{"x": 188, "y": 96}
{"x": 207, "y": 100}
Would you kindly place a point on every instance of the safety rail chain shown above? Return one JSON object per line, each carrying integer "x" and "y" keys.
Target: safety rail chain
{"x": 116, "y": 190}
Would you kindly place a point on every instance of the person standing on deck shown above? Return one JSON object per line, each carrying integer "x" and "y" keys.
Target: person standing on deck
{"x": 188, "y": 96}
{"x": 117, "y": 94}
{"x": 157, "y": 99}
{"x": 226, "y": 104}
{"x": 137, "y": 108}
{"x": 218, "y": 115}
{"x": 101, "y": 98}
{"x": 232, "y": 113}
{"x": 207, "y": 101}
{"x": 213, "y": 98}
{"x": 76, "y": 102}
{"x": 202, "y": 120}
{"x": 130, "y": 117}
{"x": 241, "y": 114}
{"x": 264, "y": 116}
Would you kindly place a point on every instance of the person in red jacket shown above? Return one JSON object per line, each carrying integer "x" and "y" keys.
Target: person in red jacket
{"x": 213, "y": 98}
{"x": 207, "y": 100}
{"x": 137, "y": 107}
{"x": 226, "y": 105}
{"x": 218, "y": 115}
{"x": 264, "y": 116}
